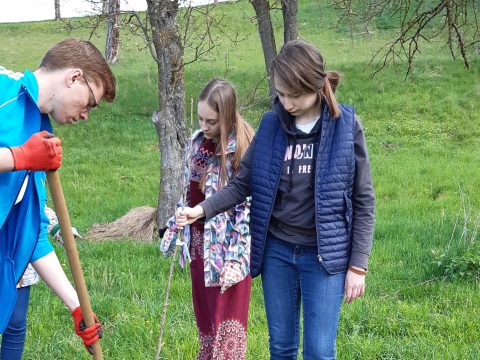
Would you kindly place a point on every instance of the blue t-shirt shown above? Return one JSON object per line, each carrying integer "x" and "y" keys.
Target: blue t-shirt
{"x": 18, "y": 110}
{"x": 23, "y": 227}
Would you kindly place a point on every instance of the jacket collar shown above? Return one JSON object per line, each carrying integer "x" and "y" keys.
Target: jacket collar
{"x": 198, "y": 137}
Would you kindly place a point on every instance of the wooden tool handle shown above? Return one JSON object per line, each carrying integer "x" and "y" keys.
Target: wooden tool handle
{"x": 72, "y": 254}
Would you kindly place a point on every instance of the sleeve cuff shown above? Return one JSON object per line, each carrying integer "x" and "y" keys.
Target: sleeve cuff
{"x": 208, "y": 209}
{"x": 41, "y": 252}
{"x": 359, "y": 259}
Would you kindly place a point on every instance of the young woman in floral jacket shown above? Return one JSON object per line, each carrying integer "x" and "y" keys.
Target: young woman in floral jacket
{"x": 219, "y": 249}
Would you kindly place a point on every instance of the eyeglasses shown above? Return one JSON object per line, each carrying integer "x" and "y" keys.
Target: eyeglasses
{"x": 97, "y": 105}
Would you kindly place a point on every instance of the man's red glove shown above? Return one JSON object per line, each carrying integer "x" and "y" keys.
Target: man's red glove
{"x": 89, "y": 334}
{"x": 43, "y": 151}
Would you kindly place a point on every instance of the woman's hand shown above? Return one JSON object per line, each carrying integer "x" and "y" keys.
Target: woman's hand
{"x": 354, "y": 284}
{"x": 188, "y": 216}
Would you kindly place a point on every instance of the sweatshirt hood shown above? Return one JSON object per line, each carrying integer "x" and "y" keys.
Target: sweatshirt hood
{"x": 287, "y": 120}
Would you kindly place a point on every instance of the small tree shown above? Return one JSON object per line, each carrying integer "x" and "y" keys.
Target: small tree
{"x": 113, "y": 31}
{"x": 57, "y": 10}
{"x": 169, "y": 119}
{"x": 289, "y": 12}
{"x": 267, "y": 36}
{"x": 101, "y": 11}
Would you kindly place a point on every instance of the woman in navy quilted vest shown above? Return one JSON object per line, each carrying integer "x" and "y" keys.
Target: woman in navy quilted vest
{"x": 312, "y": 213}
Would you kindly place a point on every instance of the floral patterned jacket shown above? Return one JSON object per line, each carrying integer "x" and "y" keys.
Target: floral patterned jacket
{"x": 226, "y": 238}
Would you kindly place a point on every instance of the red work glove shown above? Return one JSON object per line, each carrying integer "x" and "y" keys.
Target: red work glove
{"x": 89, "y": 335}
{"x": 43, "y": 151}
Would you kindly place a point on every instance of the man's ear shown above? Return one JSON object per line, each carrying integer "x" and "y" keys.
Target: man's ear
{"x": 74, "y": 75}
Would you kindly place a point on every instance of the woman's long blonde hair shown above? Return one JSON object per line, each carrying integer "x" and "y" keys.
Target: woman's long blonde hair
{"x": 220, "y": 96}
{"x": 300, "y": 68}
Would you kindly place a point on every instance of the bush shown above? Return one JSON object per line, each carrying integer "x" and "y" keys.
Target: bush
{"x": 466, "y": 266}
{"x": 461, "y": 257}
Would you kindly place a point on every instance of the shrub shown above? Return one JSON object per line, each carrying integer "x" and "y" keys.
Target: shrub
{"x": 461, "y": 257}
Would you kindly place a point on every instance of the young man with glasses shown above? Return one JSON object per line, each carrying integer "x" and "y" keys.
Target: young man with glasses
{"x": 72, "y": 78}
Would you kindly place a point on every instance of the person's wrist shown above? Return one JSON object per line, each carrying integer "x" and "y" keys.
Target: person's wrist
{"x": 7, "y": 162}
{"x": 201, "y": 211}
{"x": 18, "y": 157}
{"x": 72, "y": 303}
{"x": 358, "y": 270}
{"x": 77, "y": 311}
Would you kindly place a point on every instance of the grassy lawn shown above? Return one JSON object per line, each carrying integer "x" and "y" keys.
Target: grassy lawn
{"x": 424, "y": 142}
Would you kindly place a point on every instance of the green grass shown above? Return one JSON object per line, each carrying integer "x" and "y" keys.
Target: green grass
{"x": 423, "y": 138}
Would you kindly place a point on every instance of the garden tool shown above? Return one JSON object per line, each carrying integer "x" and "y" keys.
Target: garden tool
{"x": 72, "y": 254}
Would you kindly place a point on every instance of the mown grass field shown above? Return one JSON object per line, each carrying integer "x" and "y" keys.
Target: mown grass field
{"x": 423, "y": 135}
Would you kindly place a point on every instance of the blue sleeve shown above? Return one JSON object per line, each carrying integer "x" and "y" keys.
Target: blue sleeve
{"x": 43, "y": 246}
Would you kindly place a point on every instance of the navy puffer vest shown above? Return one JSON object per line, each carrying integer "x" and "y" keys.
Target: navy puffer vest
{"x": 335, "y": 170}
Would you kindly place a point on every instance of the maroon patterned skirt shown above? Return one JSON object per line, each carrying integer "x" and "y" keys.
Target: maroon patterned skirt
{"x": 221, "y": 318}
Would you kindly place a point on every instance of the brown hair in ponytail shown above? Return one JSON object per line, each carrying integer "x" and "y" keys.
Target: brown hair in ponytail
{"x": 220, "y": 96}
{"x": 300, "y": 68}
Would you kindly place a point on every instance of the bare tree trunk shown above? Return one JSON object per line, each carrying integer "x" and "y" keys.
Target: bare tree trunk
{"x": 105, "y": 7}
{"x": 57, "y": 10}
{"x": 113, "y": 31}
{"x": 289, "y": 11}
{"x": 267, "y": 37}
{"x": 169, "y": 119}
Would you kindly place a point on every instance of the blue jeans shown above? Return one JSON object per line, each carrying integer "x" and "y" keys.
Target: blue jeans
{"x": 13, "y": 337}
{"x": 292, "y": 274}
